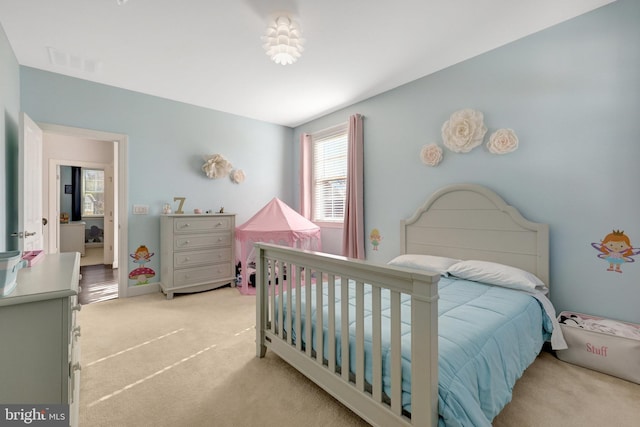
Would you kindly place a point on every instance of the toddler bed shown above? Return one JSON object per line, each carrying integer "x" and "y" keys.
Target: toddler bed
{"x": 421, "y": 349}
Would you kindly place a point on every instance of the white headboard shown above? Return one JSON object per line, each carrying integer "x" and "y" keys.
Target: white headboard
{"x": 469, "y": 221}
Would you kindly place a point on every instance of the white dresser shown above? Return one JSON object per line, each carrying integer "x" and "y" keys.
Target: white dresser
{"x": 39, "y": 336}
{"x": 197, "y": 252}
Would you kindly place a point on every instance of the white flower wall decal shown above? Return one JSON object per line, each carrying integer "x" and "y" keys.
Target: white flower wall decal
{"x": 216, "y": 166}
{"x": 431, "y": 154}
{"x": 464, "y": 130}
{"x": 237, "y": 176}
{"x": 503, "y": 141}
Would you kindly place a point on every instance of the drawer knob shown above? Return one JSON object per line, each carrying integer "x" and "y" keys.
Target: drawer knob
{"x": 77, "y": 307}
{"x": 76, "y": 331}
{"x": 76, "y": 367}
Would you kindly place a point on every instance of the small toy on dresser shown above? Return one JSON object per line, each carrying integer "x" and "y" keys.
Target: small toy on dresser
{"x": 32, "y": 257}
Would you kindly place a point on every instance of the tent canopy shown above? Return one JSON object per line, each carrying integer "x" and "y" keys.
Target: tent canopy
{"x": 275, "y": 223}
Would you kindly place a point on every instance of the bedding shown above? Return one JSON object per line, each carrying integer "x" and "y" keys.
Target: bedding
{"x": 487, "y": 337}
{"x": 496, "y": 274}
{"x": 436, "y": 264}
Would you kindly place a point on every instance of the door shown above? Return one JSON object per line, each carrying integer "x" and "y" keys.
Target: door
{"x": 30, "y": 220}
{"x": 108, "y": 244}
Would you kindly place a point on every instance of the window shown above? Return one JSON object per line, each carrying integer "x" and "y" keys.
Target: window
{"x": 92, "y": 192}
{"x": 329, "y": 174}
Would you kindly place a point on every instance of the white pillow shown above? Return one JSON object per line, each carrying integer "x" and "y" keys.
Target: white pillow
{"x": 496, "y": 274}
{"x": 431, "y": 263}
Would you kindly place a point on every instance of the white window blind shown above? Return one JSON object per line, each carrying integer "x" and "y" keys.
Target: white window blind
{"x": 92, "y": 192}
{"x": 329, "y": 174}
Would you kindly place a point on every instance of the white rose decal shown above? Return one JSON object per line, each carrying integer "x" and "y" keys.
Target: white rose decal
{"x": 237, "y": 176}
{"x": 503, "y": 141}
{"x": 431, "y": 154}
{"x": 464, "y": 130}
{"x": 216, "y": 166}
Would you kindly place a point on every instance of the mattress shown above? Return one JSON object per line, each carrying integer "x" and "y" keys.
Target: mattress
{"x": 487, "y": 337}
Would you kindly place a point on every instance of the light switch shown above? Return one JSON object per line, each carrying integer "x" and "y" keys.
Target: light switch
{"x": 140, "y": 209}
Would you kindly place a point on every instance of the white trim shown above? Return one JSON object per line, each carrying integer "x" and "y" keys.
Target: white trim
{"x": 53, "y": 210}
{"x": 330, "y": 132}
{"x": 137, "y": 290}
{"x": 122, "y": 160}
{"x": 332, "y": 224}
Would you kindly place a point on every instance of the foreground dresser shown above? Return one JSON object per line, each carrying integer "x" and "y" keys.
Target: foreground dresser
{"x": 39, "y": 336}
{"x": 197, "y": 252}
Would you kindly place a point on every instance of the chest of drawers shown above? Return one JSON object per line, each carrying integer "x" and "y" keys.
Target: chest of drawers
{"x": 39, "y": 336}
{"x": 197, "y": 252}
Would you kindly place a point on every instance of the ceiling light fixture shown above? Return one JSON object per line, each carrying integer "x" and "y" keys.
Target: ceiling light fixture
{"x": 283, "y": 41}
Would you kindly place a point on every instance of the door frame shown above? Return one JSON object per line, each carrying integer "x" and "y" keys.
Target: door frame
{"x": 53, "y": 210}
{"x": 122, "y": 200}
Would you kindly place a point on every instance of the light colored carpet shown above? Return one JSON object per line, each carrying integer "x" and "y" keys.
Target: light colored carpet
{"x": 190, "y": 361}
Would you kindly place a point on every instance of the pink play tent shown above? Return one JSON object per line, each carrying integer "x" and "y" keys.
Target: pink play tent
{"x": 275, "y": 223}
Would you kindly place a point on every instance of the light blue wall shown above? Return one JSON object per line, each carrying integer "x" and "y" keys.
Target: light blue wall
{"x": 167, "y": 140}
{"x": 10, "y": 108}
{"x": 572, "y": 94}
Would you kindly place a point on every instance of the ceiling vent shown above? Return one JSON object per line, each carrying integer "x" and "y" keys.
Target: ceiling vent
{"x": 73, "y": 62}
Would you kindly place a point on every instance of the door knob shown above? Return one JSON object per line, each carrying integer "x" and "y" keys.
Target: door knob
{"x": 27, "y": 234}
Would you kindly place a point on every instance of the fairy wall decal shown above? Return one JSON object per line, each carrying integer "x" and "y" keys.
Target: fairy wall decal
{"x": 616, "y": 249}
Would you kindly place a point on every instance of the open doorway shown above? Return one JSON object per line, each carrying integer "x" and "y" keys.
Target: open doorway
{"x": 84, "y": 203}
{"x": 99, "y": 230}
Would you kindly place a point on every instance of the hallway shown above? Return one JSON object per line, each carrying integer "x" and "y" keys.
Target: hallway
{"x": 98, "y": 282}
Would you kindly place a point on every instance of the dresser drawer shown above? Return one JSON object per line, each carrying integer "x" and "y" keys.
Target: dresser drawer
{"x": 201, "y": 274}
{"x": 183, "y": 242}
{"x": 201, "y": 225}
{"x": 74, "y": 328}
{"x": 209, "y": 256}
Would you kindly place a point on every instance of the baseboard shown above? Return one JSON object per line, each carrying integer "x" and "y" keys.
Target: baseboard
{"x": 134, "y": 291}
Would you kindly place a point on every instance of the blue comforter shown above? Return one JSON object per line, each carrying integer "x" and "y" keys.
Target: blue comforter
{"x": 487, "y": 337}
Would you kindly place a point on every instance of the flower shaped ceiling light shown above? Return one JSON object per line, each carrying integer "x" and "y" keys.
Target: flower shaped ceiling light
{"x": 283, "y": 42}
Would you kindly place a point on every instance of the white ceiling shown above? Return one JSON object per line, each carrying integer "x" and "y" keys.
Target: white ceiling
{"x": 209, "y": 52}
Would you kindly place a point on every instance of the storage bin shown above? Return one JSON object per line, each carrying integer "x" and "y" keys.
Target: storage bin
{"x": 10, "y": 263}
{"x": 614, "y": 348}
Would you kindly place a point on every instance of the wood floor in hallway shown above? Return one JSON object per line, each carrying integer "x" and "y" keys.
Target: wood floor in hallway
{"x": 98, "y": 283}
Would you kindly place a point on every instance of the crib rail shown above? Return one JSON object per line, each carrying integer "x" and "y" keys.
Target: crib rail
{"x": 284, "y": 274}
